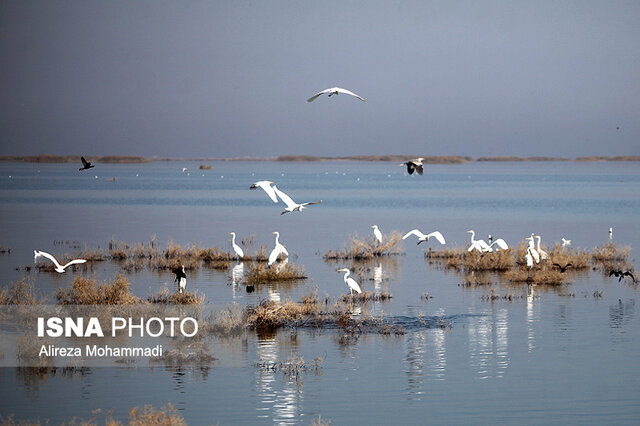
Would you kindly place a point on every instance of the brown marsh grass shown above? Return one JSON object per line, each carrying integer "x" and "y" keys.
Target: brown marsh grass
{"x": 368, "y": 248}
{"x": 19, "y": 293}
{"x": 542, "y": 273}
{"x": 366, "y": 296}
{"x": 460, "y": 258}
{"x": 610, "y": 252}
{"x": 84, "y": 291}
{"x": 164, "y": 297}
{"x": 259, "y": 273}
{"x": 579, "y": 259}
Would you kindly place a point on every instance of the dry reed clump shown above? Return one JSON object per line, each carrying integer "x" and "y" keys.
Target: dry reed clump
{"x": 500, "y": 260}
{"x": 177, "y": 358}
{"x": 367, "y": 296}
{"x": 472, "y": 279}
{"x": 260, "y": 273}
{"x": 320, "y": 422}
{"x": 270, "y": 314}
{"x": 368, "y": 248}
{"x": 539, "y": 274}
{"x": 227, "y": 321}
{"x": 19, "y": 293}
{"x": 579, "y": 259}
{"x": 609, "y": 252}
{"x": 90, "y": 255}
{"x": 443, "y": 254}
{"x": 84, "y": 291}
{"x": 164, "y": 297}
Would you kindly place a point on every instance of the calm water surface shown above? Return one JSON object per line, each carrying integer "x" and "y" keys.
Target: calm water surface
{"x": 543, "y": 357}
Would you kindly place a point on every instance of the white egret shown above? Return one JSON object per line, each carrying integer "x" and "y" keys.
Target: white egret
{"x": 334, "y": 91}
{"x": 565, "y": 242}
{"x": 86, "y": 165}
{"x": 353, "y": 285}
{"x": 377, "y": 233}
{"x": 181, "y": 279}
{"x": 529, "y": 256}
{"x": 59, "y": 268}
{"x": 184, "y": 169}
{"x": 422, "y": 237}
{"x": 236, "y": 248}
{"x": 291, "y": 205}
{"x": 479, "y": 245}
{"x": 531, "y": 249}
{"x": 266, "y": 186}
{"x": 415, "y": 164}
{"x": 501, "y": 244}
{"x": 543, "y": 254}
{"x": 277, "y": 251}
{"x": 610, "y": 233}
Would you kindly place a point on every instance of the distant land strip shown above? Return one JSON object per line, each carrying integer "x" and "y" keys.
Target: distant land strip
{"x": 444, "y": 159}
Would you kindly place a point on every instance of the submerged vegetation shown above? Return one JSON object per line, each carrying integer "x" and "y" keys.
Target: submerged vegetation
{"x": 360, "y": 249}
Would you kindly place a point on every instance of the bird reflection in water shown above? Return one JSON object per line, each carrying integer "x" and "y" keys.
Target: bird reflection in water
{"x": 533, "y": 314}
{"x": 488, "y": 343}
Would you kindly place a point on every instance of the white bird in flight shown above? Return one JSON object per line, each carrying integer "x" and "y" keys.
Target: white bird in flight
{"x": 334, "y": 91}
{"x": 266, "y": 186}
{"x": 565, "y": 242}
{"x": 291, "y": 205}
{"x": 422, "y": 237}
{"x": 59, "y": 268}
{"x": 501, "y": 244}
{"x": 236, "y": 248}
{"x": 353, "y": 285}
{"x": 377, "y": 233}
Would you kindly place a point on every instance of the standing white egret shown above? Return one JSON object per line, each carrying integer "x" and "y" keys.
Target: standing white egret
{"x": 59, "y": 268}
{"x": 415, "y": 164}
{"x": 543, "y": 254}
{"x": 353, "y": 285}
{"x": 277, "y": 251}
{"x": 377, "y": 233}
{"x": 181, "y": 278}
{"x": 422, "y": 237}
{"x": 236, "y": 248}
{"x": 531, "y": 249}
{"x": 266, "y": 186}
{"x": 610, "y": 234}
{"x": 479, "y": 245}
{"x": 565, "y": 242}
{"x": 530, "y": 255}
{"x": 334, "y": 91}
{"x": 292, "y": 206}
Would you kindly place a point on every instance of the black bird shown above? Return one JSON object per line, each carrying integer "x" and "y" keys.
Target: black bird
{"x": 618, "y": 273}
{"x": 181, "y": 278}
{"x": 85, "y": 165}
{"x": 415, "y": 164}
{"x": 562, "y": 268}
{"x": 250, "y": 289}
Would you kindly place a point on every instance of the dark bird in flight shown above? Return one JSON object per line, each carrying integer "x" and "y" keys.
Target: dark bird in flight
{"x": 618, "y": 273}
{"x": 415, "y": 164}
{"x": 563, "y": 268}
{"x": 181, "y": 278}
{"x": 85, "y": 164}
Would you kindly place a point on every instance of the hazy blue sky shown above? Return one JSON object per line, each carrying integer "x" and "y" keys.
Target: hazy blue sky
{"x": 214, "y": 78}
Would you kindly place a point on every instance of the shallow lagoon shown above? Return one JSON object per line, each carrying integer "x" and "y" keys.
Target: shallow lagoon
{"x": 543, "y": 358}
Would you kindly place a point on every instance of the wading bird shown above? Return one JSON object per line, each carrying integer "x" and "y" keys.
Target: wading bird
{"x": 353, "y": 285}
{"x": 422, "y": 237}
{"x": 610, "y": 233}
{"x": 59, "y": 268}
{"x": 266, "y": 186}
{"x": 181, "y": 278}
{"x": 236, "y": 248}
{"x": 277, "y": 251}
{"x": 562, "y": 268}
{"x": 479, "y": 245}
{"x": 292, "y": 206}
{"x": 543, "y": 254}
{"x": 86, "y": 165}
{"x": 334, "y": 91}
{"x": 565, "y": 242}
{"x": 529, "y": 256}
{"x": 415, "y": 164}
{"x": 377, "y": 234}
{"x": 531, "y": 249}
{"x": 501, "y": 244}
{"x": 618, "y": 273}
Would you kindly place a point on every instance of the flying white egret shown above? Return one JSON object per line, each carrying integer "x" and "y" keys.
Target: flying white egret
{"x": 236, "y": 248}
{"x": 543, "y": 254}
{"x": 59, "y": 268}
{"x": 353, "y": 285}
{"x": 334, "y": 91}
{"x": 377, "y": 233}
{"x": 501, "y": 243}
{"x": 415, "y": 164}
{"x": 277, "y": 251}
{"x": 565, "y": 242}
{"x": 266, "y": 186}
{"x": 479, "y": 245}
{"x": 291, "y": 205}
{"x": 181, "y": 279}
{"x": 422, "y": 237}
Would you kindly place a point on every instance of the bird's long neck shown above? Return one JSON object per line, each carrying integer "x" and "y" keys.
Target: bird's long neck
{"x": 538, "y": 238}
{"x": 346, "y": 275}
{"x": 473, "y": 235}
{"x": 233, "y": 239}
{"x": 277, "y": 238}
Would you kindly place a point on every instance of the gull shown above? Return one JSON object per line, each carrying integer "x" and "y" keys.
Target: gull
{"x": 334, "y": 91}
{"x": 236, "y": 248}
{"x": 181, "y": 278}
{"x": 86, "y": 165}
{"x": 422, "y": 237}
{"x": 415, "y": 164}
{"x": 59, "y": 269}
{"x": 291, "y": 205}
{"x": 565, "y": 242}
{"x": 377, "y": 233}
{"x": 266, "y": 186}
{"x": 353, "y": 285}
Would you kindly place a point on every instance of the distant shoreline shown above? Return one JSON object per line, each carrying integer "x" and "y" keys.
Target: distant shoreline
{"x": 447, "y": 159}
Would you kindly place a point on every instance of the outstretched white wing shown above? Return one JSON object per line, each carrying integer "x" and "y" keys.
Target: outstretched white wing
{"x": 416, "y": 233}
{"x": 501, "y": 243}
{"x": 266, "y": 186}
{"x": 37, "y": 254}
{"x": 74, "y": 262}
{"x": 314, "y": 97}
{"x": 285, "y": 198}
{"x": 348, "y": 92}
{"x": 438, "y": 236}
